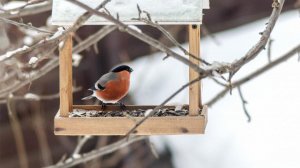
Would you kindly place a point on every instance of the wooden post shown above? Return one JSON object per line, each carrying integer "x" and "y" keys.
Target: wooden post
{"x": 194, "y": 90}
{"x": 65, "y": 77}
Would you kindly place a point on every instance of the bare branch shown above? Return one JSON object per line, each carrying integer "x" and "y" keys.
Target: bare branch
{"x": 255, "y": 74}
{"x": 137, "y": 124}
{"x": 35, "y": 97}
{"x": 260, "y": 45}
{"x": 94, "y": 38}
{"x": 149, "y": 22}
{"x": 244, "y": 102}
{"x": 28, "y": 10}
{"x": 98, "y": 152}
{"x": 269, "y": 49}
{"x": 80, "y": 144}
{"x": 28, "y": 26}
{"x": 149, "y": 40}
{"x": 19, "y": 138}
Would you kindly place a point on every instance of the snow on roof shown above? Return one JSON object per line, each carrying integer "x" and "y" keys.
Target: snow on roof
{"x": 163, "y": 11}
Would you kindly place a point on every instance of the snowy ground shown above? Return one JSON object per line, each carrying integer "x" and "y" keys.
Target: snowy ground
{"x": 272, "y": 139}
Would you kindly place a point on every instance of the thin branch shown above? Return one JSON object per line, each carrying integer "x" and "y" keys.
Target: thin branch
{"x": 17, "y": 9}
{"x": 147, "y": 39}
{"x": 28, "y": 10}
{"x": 56, "y": 38}
{"x": 206, "y": 32}
{"x": 218, "y": 82}
{"x": 28, "y": 26}
{"x": 40, "y": 131}
{"x": 98, "y": 152}
{"x": 94, "y": 38}
{"x": 17, "y": 131}
{"x": 244, "y": 102}
{"x": 52, "y": 63}
{"x": 137, "y": 124}
{"x": 260, "y": 45}
{"x": 152, "y": 148}
{"x": 35, "y": 97}
{"x": 255, "y": 74}
{"x": 80, "y": 144}
{"x": 269, "y": 49}
{"x": 151, "y": 23}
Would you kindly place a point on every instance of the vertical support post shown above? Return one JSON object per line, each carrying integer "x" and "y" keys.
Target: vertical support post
{"x": 194, "y": 90}
{"x": 65, "y": 77}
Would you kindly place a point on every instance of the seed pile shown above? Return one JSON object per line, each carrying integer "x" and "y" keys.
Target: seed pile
{"x": 131, "y": 113}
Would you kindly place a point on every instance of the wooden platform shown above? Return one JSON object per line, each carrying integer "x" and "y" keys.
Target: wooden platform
{"x": 166, "y": 125}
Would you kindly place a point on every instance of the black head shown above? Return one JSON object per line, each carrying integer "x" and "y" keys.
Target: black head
{"x": 122, "y": 68}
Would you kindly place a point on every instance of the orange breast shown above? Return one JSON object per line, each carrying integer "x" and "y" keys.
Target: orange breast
{"x": 115, "y": 89}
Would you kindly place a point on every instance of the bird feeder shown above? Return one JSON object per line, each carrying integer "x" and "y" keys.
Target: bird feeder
{"x": 180, "y": 12}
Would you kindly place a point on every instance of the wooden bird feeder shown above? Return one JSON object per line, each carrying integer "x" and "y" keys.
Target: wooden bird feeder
{"x": 188, "y": 13}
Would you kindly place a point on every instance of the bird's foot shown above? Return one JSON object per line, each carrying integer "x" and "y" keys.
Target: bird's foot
{"x": 103, "y": 105}
{"x": 122, "y": 106}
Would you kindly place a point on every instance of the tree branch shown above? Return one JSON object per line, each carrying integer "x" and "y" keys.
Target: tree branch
{"x": 98, "y": 152}
{"x": 255, "y": 74}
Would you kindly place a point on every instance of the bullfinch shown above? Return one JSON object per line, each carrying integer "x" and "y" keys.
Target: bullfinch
{"x": 112, "y": 86}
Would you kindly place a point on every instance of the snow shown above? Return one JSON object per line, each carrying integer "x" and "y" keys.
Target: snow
{"x": 76, "y": 59}
{"x": 13, "y": 5}
{"x": 31, "y": 96}
{"x": 10, "y": 53}
{"x": 28, "y": 40}
{"x": 271, "y": 139}
{"x": 59, "y": 32}
{"x": 33, "y": 60}
{"x": 165, "y": 11}
{"x": 135, "y": 28}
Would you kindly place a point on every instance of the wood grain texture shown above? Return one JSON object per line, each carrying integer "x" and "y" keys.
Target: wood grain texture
{"x": 194, "y": 90}
{"x": 170, "y": 125}
{"x": 65, "y": 77}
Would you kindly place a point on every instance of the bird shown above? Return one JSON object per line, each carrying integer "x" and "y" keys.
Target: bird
{"x": 111, "y": 87}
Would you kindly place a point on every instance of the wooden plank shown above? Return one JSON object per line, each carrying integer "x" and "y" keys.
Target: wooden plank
{"x": 65, "y": 77}
{"x": 121, "y": 125}
{"x": 163, "y": 11}
{"x": 194, "y": 90}
{"x": 116, "y": 107}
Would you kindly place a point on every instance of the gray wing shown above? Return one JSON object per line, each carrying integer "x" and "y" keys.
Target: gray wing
{"x": 100, "y": 84}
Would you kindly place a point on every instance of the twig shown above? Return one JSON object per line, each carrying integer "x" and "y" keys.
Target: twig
{"x": 52, "y": 63}
{"x": 260, "y": 45}
{"x": 32, "y": 2}
{"x": 269, "y": 49}
{"x": 94, "y": 38}
{"x": 35, "y": 97}
{"x": 98, "y": 152}
{"x": 55, "y": 39}
{"x": 40, "y": 131}
{"x": 133, "y": 129}
{"x": 17, "y": 131}
{"x": 218, "y": 82}
{"x": 244, "y": 102}
{"x": 80, "y": 144}
{"x": 149, "y": 22}
{"x": 147, "y": 39}
{"x": 255, "y": 74}
{"x": 29, "y": 10}
{"x": 206, "y": 32}
{"x": 152, "y": 148}
{"x": 28, "y": 26}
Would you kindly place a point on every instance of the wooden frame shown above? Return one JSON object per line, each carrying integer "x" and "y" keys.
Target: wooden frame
{"x": 193, "y": 123}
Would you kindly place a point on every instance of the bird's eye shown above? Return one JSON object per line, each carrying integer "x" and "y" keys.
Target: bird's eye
{"x": 99, "y": 87}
